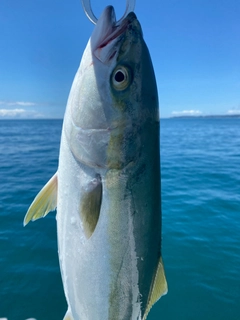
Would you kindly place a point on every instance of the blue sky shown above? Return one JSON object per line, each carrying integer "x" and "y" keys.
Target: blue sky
{"x": 194, "y": 44}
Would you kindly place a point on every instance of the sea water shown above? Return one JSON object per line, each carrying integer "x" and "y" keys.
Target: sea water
{"x": 200, "y": 164}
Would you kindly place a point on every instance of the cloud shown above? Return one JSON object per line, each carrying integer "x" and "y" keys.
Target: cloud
{"x": 17, "y": 103}
{"x": 11, "y": 113}
{"x": 233, "y": 112}
{"x": 19, "y": 114}
{"x": 187, "y": 113}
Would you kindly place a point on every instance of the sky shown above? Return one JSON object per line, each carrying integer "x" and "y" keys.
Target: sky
{"x": 194, "y": 45}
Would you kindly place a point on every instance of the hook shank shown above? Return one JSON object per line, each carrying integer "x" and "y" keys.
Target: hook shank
{"x": 130, "y": 5}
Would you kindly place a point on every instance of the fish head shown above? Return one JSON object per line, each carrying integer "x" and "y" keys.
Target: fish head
{"x": 113, "y": 94}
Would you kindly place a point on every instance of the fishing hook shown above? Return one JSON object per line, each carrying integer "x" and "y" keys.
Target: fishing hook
{"x": 130, "y": 5}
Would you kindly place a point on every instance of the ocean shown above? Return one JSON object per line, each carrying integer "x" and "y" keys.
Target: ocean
{"x": 200, "y": 165}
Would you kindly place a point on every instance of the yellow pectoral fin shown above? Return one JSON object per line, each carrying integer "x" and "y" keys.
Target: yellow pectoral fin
{"x": 45, "y": 201}
{"x": 90, "y": 206}
{"x": 159, "y": 287}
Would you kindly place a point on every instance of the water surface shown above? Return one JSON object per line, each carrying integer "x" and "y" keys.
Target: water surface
{"x": 200, "y": 163}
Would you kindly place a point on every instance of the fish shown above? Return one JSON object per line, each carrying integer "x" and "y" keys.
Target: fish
{"x": 107, "y": 188}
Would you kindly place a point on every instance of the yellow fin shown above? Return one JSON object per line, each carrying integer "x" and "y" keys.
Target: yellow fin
{"x": 68, "y": 316}
{"x": 45, "y": 201}
{"x": 159, "y": 288}
{"x": 90, "y": 206}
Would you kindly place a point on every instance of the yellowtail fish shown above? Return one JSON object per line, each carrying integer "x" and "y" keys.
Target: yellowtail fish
{"x": 107, "y": 186}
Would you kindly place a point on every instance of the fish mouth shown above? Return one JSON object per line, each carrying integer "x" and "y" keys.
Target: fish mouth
{"x": 107, "y": 31}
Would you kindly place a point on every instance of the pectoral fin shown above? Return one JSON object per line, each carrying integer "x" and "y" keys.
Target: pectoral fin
{"x": 90, "y": 206}
{"x": 45, "y": 201}
{"x": 68, "y": 316}
{"x": 159, "y": 287}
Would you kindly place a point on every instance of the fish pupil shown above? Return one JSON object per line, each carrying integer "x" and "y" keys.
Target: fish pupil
{"x": 119, "y": 76}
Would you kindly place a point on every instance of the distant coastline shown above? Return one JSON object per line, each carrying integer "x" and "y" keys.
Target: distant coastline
{"x": 218, "y": 116}
{"x": 206, "y": 116}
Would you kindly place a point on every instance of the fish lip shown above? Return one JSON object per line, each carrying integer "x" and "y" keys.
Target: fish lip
{"x": 107, "y": 28}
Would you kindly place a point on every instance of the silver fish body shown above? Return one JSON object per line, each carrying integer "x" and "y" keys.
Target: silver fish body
{"x": 108, "y": 180}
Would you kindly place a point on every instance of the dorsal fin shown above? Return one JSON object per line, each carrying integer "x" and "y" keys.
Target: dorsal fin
{"x": 159, "y": 288}
{"x": 45, "y": 201}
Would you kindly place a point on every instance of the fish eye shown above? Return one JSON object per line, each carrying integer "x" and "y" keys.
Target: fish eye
{"x": 121, "y": 78}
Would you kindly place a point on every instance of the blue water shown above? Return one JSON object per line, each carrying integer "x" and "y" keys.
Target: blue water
{"x": 200, "y": 161}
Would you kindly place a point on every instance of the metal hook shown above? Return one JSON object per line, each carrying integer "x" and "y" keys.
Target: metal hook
{"x": 130, "y": 5}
